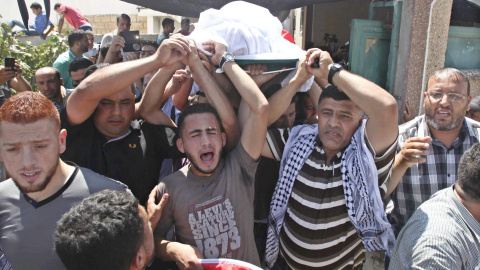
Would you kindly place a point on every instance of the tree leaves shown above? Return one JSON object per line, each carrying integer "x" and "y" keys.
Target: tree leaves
{"x": 30, "y": 57}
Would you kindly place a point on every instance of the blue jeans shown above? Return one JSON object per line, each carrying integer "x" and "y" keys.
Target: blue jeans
{"x": 29, "y": 32}
{"x": 85, "y": 28}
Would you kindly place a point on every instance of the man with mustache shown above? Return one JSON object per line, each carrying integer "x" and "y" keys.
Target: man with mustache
{"x": 103, "y": 135}
{"x": 430, "y": 145}
{"x": 331, "y": 174}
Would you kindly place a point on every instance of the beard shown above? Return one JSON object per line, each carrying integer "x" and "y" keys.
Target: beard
{"x": 40, "y": 184}
{"x": 194, "y": 163}
{"x": 456, "y": 122}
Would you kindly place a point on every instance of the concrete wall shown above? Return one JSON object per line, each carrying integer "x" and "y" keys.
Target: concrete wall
{"x": 103, "y": 24}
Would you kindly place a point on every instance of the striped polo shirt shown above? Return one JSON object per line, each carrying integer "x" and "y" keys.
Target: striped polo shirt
{"x": 317, "y": 232}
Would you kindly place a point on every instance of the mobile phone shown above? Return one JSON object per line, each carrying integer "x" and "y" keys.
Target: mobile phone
{"x": 10, "y": 62}
{"x": 132, "y": 41}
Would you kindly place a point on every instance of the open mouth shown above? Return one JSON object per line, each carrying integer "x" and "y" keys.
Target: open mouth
{"x": 30, "y": 175}
{"x": 443, "y": 113}
{"x": 207, "y": 157}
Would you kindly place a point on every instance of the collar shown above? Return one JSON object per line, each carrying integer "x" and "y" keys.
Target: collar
{"x": 119, "y": 137}
{"x": 336, "y": 159}
{"x": 465, "y": 131}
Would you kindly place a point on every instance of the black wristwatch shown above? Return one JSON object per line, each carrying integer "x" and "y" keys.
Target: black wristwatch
{"x": 226, "y": 57}
{"x": 334, "y": 69}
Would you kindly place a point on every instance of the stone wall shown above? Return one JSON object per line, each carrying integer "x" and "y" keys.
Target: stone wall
{"x": 104, "y": 24}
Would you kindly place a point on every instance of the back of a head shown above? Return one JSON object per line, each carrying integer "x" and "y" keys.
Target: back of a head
{"x": 28, "y": 107}
{"x": 79, "y": 63}
{"x": 104, "y": 231}
{"x": 452, "y": 74}
{"x": 197, "y": 109}
{"x": 74, "y": 36}
{"x": 468, "y": 173}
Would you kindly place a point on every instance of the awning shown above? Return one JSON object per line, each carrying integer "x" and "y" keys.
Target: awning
{"x": 192, "y": 8}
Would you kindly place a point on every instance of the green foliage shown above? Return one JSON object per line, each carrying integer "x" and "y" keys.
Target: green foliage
{"x": 30, "y": 57}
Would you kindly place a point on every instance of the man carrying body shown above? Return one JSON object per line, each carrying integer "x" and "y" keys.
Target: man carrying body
{"x": 38, "y": 28}
{"x": 211, "y": 200}
{"x": 73, "y": 16}
{"x": 123, "y": 24}
{"x": 168, "y": 27}
{"x": 102, "y": 136}
{"x": 312, "y": 214}
{"x": 43, "y": 186}
{"x": 443, "y": 232}
{"x": 50, "y": 84}
{"x": 108, "y": 230}
{"x": 430, "y": 146}
{"x": 78, "y": 43}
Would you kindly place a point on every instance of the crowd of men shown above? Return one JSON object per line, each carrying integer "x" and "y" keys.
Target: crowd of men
{"x": 136, "y": 160}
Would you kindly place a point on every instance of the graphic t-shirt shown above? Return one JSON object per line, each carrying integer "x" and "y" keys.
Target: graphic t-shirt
{"x": 213, "y": 213}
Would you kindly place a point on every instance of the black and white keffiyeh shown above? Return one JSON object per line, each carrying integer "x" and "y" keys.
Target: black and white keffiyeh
{"x": 299, "y": 146}
{"x": 360, "y": 183}
{"x": 362, "y": 195}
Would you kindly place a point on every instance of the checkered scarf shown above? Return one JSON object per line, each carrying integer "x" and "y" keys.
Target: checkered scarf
{"x": 362, "y": 195}
{"x": 298, "y": 147}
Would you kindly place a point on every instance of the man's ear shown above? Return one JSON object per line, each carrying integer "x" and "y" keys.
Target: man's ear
{"x": 180, "y": 145}
{"x": 62, "y": 139}
{"x": 139, "y": 261}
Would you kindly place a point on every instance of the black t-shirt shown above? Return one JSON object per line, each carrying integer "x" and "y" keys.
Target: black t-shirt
{"x": 134, "y": 160}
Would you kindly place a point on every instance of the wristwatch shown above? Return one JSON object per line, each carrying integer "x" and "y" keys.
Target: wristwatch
{"x": 334, "y": 69}
{"x": 226, "y": 57}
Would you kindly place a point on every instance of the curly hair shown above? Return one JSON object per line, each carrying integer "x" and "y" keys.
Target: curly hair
{"x": 104, "y": 231}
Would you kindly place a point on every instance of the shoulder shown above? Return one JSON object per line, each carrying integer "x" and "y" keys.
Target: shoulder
{"x": 98, "y": 181}
{"x": 176, "y": 179}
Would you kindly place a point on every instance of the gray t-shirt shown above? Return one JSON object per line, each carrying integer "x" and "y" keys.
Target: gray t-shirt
{"x": 214, "y": 213}
{"x": 27, "y": 227}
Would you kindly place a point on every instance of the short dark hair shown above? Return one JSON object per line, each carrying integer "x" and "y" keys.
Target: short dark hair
{"x": 453, "y": 74}
{"x": 104, "y": 231}
{"x": 79, "y": 63}
{"x": 36, "y": 5}
{"x": 185, "y": 21}
{"x": 124, "y": 16}
{"x": 197, "y": 109}
{"x": 91, "y": 69}
{"x": 468, "y": 172}
{"x": 104, "y": 50}
{"x": 145, "y": 42}
{"x": 57, "y": 5}
{"x": 167, "y": 21}
{"x": 74, "y": 36}
{"x": 333, "y": 92}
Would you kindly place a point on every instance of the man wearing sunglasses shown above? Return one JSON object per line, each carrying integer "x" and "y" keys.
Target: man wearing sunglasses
{"x": 430, "y": 145}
